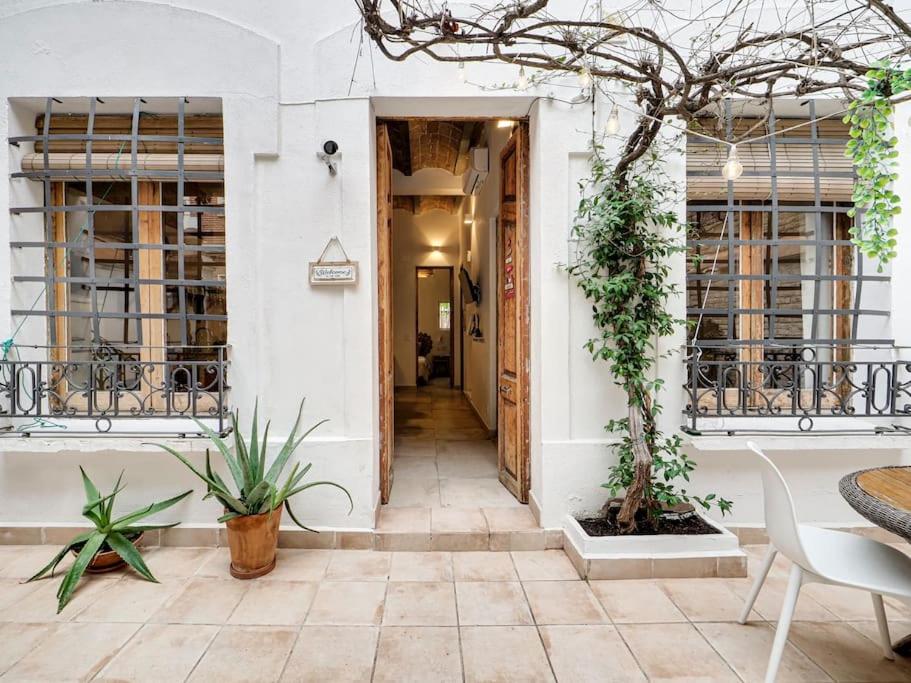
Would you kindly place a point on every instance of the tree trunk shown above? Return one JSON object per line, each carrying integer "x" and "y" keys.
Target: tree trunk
{"x": 642, "y": 467}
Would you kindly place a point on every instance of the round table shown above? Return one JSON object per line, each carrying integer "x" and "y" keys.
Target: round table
{"x": 883, "y": 496}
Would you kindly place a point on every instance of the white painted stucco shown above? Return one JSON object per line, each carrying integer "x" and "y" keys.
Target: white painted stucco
{"x": 283, "y": 73}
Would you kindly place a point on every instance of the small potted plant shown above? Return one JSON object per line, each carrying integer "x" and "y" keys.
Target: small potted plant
{"x": 111, "y": 544}
{"x": 253, "y": 514}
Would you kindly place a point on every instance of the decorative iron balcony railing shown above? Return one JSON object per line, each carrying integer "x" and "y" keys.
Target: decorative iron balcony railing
{"x": 804, "y": 383}
{"x": 39, "y": 394}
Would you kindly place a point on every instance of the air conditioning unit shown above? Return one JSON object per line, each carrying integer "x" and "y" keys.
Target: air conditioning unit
{"x": 478, "y": 167}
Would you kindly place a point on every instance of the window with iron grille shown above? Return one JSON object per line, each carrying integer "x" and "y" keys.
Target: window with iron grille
{"x": 133, "y": 236}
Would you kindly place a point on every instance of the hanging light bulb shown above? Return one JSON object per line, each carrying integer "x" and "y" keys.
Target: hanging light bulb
{"x": 732, "y": 168}
{"x": 612, "y": 127}
{"x": 585, "y": 76}
{"x": 461, "y": 72}
{"x": 522, "y": 83}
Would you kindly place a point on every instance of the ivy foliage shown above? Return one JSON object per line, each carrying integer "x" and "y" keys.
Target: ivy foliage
{"x": 872, "y": 150}
{"x": 626, "y": 237}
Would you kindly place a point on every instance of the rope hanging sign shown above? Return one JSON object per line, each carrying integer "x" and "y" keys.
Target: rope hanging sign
{"x": 327, "y": 272}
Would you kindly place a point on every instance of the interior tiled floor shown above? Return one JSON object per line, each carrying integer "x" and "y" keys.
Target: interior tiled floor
{"x": 352, "y": 615}
{"x": 443, "y": 456}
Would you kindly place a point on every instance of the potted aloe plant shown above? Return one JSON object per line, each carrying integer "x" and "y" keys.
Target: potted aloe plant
{"x": 111, "y": 544}
{"x": 252, "y": 515}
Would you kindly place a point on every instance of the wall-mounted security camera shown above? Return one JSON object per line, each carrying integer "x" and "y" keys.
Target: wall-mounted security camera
{"x": 330, "y": 149}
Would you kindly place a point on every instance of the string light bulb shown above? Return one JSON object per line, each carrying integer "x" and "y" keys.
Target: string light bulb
{"x": 461, "y": 72}
{"x": 732, "y": 168}
{"x": 612, "y": 127}
{"x": 523, "y": 79}
{"x": 585, "y": 76}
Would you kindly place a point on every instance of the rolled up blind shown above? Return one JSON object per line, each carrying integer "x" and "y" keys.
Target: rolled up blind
{"x": 118, "y": 165}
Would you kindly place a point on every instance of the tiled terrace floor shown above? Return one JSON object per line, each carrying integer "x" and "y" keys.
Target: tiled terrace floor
{"x": 361, "y": 615}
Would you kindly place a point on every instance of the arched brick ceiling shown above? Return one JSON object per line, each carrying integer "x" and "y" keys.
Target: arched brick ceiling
{"x": 432, "y": 143}
{"x": 418, "y": 204}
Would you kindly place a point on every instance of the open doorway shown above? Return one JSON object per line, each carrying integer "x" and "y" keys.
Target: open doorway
{"x": 453, "y": 297}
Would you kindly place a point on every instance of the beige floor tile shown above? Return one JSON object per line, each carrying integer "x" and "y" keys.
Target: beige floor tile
{"x": 17, "y": 640}
{"x": 424, "y": 566}
{"x": 563, "y": 602}
{"x": 414, "y": 448}
{"x": 675, "y": 652}
{"x": 274, "y": 603}
{"x": 483, "y": 566}
{"x": 510, "y": 519}
{"x": 849, "y": 604}
{"x": 160, "y": 652}
{"x": 24, "y": 561}
{"x": 13, "y": 590}
{"x": 404, "y": 520}
{"x": 246, "y": 654}
{"x": 299, "y": 565}
{"x": 359, "y": 565}
{"x": 492, "y": 603}
{"x": 504, "y": 653}
{"x": 418, "y": 654}
{"x": 746, "y": 649}
{"x": 415, "y": 493}
{"x": 348, "y": 603}
{"x": 898, "y": 629}
{"x": 457, "y": 520}
{"x": 466, "y": 493}
{"x": 332, "y": 653}
{"x": 40, "y": 605}
{"x": 202, "y": 601}
{"x": 467, "y": 466}
{"x": 846, "y": 655}
{"x": 177, "y": 562}
{"x": 420, "y": 603}
{"x": 131, "y": 600}
{"x": 705, "y": 599}
{"x": 595, "y": 654}
{"x": 771, "y": 598}
{"x": 73, "y": 652}
{"x": 476, "y": 449}
{"x": 544, "y": 565}
{"x": 424, "y": 468}
{"x": 640, "y": 602}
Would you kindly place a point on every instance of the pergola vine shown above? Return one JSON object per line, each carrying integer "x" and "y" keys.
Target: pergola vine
{"x": 673, "y": 64}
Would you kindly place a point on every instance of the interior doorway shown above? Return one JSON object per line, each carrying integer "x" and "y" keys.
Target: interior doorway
{"x": 453, "y": 311}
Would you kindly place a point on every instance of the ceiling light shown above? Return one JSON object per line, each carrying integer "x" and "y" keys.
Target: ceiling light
{"x": 613, "y": 122}
{"x": 732, "y": 168}
{"x": 505, "y": 123}
{"x": 522, "y": 83}
{"x": 585, "y": 77}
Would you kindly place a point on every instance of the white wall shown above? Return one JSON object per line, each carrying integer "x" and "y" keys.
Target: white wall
{"x": 283, "y": 72}
{"x": 428, "y": 239}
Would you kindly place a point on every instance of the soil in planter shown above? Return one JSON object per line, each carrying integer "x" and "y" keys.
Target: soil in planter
{"x": 673, "y": 524}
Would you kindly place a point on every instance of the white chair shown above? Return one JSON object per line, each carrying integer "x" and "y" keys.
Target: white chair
{"x": 822, "y": 556}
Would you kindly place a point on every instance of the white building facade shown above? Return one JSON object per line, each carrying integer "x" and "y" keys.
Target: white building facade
{"x": 287, "y": 77}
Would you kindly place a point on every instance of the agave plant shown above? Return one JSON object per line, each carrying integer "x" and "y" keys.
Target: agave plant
{"x": 109, "y": 534}
{"x": 258, "y": 490}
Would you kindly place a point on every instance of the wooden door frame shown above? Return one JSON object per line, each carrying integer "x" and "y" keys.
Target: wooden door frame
{"x": 417, "y": 320}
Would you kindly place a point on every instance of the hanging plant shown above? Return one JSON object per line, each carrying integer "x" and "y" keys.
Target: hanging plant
{"x": 626, "y": 237}
{"x": 872, "y": 150}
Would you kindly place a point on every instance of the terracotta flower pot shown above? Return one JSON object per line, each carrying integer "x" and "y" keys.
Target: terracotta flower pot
{"x": 253, "y": 540}
{"x": 108, "y": 560}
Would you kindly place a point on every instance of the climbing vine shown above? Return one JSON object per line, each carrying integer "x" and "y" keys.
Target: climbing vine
{"x": 626, "y": 236}
{"x": 872, "y": 150}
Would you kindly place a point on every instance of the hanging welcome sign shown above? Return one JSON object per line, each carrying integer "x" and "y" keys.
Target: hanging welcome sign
{"x": 327, "y": 272}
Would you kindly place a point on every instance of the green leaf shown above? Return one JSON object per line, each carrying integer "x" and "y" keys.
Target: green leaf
{"x": 52, "y": 565}
{"x": 295, "y": 519}
{"x": 322, "y": 483}
{"x": 119, "y": 524}
{"x": 222, "y": 447}
{"x": 130, "y": 554}
{"x": 71, "y": 579}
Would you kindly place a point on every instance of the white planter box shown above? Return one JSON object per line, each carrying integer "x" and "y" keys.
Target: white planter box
{"x": 658, "y": 556}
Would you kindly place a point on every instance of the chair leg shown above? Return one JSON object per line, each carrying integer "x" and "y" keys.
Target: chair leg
{"x": 884, "y": 638}
{"x": 784, "y": 622}
{"x": 757, "y": 584}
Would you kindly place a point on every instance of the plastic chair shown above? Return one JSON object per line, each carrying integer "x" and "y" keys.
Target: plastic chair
{"x": 822, "y": 556}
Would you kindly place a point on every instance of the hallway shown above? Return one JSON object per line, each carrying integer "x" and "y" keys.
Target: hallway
{"x": 443, "y": 455}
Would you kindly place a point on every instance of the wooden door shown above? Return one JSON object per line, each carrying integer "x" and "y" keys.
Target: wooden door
{"x": 384, "y": 281}
{"x": 513, "y": 317}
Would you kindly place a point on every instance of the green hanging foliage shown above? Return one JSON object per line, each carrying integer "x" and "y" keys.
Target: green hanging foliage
{"x": 626, "y": 238}
{"x": 872, "y": 149}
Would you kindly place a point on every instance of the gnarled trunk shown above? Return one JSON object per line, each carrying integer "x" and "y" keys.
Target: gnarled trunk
{"x": 642, "y": 462}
